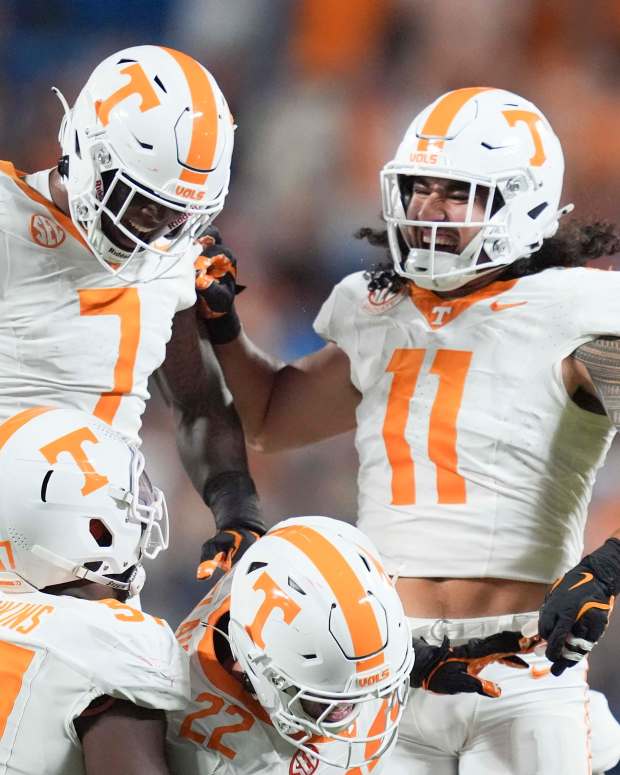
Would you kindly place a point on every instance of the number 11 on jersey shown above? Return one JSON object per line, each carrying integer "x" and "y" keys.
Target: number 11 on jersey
{"x": 451, "y": 367}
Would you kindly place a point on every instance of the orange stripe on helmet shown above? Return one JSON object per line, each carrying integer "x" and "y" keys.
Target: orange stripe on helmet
{"x": 205, "y": 124}
{"x": 8, "y": 428}
{"x": 443, "y": 114}
{"x": 348, "y": 591}
{"x": 370, "y": 663}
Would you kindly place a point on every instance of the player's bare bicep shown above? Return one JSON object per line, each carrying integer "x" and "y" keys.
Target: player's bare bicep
{"x": 601, "y": 360}
{"x": 313, "y": 399}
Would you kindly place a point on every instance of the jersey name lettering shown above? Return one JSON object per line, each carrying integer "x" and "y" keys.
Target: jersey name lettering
{"x": 22, "y": 617}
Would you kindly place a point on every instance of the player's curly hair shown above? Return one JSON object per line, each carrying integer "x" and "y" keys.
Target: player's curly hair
{"x": 575, "y": 244}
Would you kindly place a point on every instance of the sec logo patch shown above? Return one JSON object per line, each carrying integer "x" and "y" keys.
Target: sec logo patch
{"x": 46, "y": 232}
{"x": 303, "y": 763}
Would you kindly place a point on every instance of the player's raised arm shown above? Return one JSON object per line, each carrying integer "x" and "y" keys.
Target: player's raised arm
{"x": 210, "y": 443}
{"x": 281, "y": 405}
{"x": 576, "y": 610}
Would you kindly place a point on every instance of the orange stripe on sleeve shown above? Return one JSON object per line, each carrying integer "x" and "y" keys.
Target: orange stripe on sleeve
{"x": 14, "y": 661}
{"x": 348, "y": 591}
{"x": 204, "y": 131}
{"x": 443, "y": 114}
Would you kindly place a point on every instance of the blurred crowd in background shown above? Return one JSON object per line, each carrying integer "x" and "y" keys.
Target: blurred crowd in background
{"x": 322, "y": 91}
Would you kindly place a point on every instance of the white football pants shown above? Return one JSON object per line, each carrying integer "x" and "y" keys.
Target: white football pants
{"x": 540, "y": 725}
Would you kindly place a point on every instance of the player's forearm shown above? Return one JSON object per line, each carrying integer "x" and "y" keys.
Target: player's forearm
{"x": 251, "y": 375}
{"x": 286, "y": 406}
{"x": 209, "y": 435}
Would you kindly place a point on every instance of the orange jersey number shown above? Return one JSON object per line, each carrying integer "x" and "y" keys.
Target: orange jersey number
{"x": 14, "y": 661}
{"x": 377, "y": 728}
{"x": 451, "y": 366}
{"x": 215, "y": 738}
{"x": 125, "y": 304}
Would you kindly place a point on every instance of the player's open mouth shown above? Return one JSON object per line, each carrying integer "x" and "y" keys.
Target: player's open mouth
{"x": 337, "y": 713}
{"x": 444, "y": 240}
{"x": 340, "y": 712}
{"x": 124, "y": 242}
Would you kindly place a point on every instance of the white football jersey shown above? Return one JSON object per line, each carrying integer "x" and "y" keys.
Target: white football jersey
{"x": 474, "y": 461}
{"x": 59, "y": 653}
{"x": 225, "y": 731}
{"x": 70, "y": 333}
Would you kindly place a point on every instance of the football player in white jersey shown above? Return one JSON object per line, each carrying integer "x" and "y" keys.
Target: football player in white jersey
{"x": 98, "y": 255}
{"x": 480, "y": 371}
{"x": 85, "y": 677}
{"x": 305, "y": 648}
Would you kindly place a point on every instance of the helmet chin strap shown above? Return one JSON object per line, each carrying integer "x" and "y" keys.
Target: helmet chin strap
{"x": 112, "y": 254}
{"x": 79, "y": 571}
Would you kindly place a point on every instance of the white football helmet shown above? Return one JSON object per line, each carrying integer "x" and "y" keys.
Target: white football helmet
{"x": 487, "y": 138}
{"x": 75, "y": 503}
{"x": 150, "y": 126}
{"x": 319, "y": 630}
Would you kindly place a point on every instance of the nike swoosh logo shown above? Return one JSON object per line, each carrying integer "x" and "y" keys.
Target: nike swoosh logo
{"x": 586, "y": 578}
{"x": 497, "y": 306}
{"x": 540, "y": 672}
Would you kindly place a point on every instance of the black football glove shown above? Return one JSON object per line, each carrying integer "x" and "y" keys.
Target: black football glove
{"x": 576, "y": 609}
{"x": 232, "y": 498}
{"x": 216, "y": 287}
{"x": 447, "y": 669}
{"x": 223, "y": 550}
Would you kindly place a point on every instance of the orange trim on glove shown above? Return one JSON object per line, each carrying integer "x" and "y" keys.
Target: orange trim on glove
{"x": 222, "y": 560}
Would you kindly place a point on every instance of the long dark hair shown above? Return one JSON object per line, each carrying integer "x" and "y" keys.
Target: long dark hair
{"x": 575, "y": 243}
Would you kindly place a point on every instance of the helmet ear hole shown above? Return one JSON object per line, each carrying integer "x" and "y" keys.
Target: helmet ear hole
{"x": 100, "y": 532}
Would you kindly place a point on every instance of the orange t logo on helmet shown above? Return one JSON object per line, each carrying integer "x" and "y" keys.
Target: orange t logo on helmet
{"x": 274, "y": 598}
{"x": 138, "y": 84}
{"x": 530, "y": 119}
{"x": 72, "y": 443}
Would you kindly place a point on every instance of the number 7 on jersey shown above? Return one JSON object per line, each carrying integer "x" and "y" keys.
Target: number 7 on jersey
{"x": 123, "y": 303}
{"x": 451, "y": 367}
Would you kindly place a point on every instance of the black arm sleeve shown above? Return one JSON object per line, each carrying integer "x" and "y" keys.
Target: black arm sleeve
{"x": 210, "y": 438}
